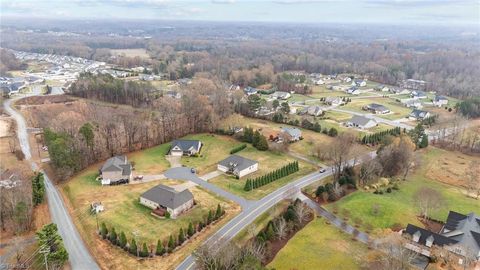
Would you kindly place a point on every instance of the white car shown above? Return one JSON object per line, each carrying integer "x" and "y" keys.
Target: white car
{"x": 322, "y": 170}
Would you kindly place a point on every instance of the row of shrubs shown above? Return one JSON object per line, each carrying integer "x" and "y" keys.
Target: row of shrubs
{"x": 306, "y": 124}
{"x": 162, "y": 248}
{"x": 378, "y": 136}
{"x": 387, "y": 190}
{"x": 271, "y": 176}
{"x": 238, "y": 149}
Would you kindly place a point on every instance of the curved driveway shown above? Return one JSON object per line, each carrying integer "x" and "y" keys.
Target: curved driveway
{"x": 79, "y": 255}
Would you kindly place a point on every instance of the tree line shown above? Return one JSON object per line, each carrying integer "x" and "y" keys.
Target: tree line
{"x": 288, "y": 169}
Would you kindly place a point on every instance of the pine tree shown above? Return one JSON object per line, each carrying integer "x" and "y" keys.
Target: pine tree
{"x": 171, "y": 244}
{"x": 262, "y": 143}
{"x": 160, "y": 249}
{"x": 113, "y": 236}
{"x": 181, "y": 236}
{"x": 144, "y": 252}
{"x": 424, "y": 141}
{"x": 122, "y": 240}
{"x": 190, "y": 231}
{"x": 209, "y": 217}
{"x": 133, "y": 247}
{"x": 103, "y": 230}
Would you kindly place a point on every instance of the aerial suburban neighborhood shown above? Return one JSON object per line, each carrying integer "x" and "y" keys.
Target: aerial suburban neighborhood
{"x": 240, "y": 135}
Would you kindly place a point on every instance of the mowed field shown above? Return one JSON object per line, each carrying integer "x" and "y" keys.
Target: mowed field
{"x": 125, "y": 213}
{"x": 398, "y": 111}
{"x": 320, "y": 246}
{"x": 142, "y": 53}
{"x": 399, "y": 207}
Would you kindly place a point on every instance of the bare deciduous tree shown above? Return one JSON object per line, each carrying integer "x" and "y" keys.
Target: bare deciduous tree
{"x": 280, "y": 227}
{"x": 428, "y": 200}
{"x": 340, "y": 152}
{"x": 473, "y": 179}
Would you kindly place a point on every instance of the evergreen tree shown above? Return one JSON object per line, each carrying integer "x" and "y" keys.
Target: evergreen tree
{"x": 269, "y": 231}
{"x": 424, "y": 141}
{"x": 113, "y": 236}
{"x": 133, "y": 247}
{"x": 144, "y": 252}
{"x": 171, "y": 244}
{"x": 191, "y": 230}
{"x": 181, "y": 236}
{"x": 160, "y": 249}
{"x": 256, "y": 138}
{"x": 103, "y": 230}
{"x": 122, "y": 240}
{"x": 262, "y": 143}
{"x": 209, "y": 217}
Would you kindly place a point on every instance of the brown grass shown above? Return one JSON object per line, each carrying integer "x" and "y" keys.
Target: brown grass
{"x": 451, "y": 167}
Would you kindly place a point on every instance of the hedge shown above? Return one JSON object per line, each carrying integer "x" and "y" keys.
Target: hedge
{"x": 271, "y": 176}
{"x": 238, "y": 149}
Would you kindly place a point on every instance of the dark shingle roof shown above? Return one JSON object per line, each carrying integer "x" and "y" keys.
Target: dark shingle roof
{"x": 418, "y": 113}
{"x": 116, "y": 163}
{"x": 377, "y": 107}
{"x": 439, "y": 240}
{"x": 167, "y": 196}
{"x": 237, "y": 162}
{"x": 185, "y": 145}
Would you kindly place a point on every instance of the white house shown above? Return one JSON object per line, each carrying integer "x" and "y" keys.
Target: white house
{"x": 411, "y": 103}
{"x": 440, "y": 101}
{"x": 361, "y": 122}
{"x": 163, "y": 199}
{"x": 237, "y": 165}
{"x": 294, "y": 134}
{"x": 314, "y": 110}
{"x": 334, "y": 101}
{"x": 359, "y": 83}
{"x": 353, "y": 91}
{"x": 281, "y": 95}
{"x": 418, "y": 94}
{"x": 377, "y": 108}
{"x": 347, "y": 79}
{"x": 418, "y": 115}
{"x": 185, "y": 147}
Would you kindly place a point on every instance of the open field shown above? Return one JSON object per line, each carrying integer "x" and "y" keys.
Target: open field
{"x": 320, "y": 246}
{"x": 142, "y": 53}
{"x": 398, "y": 110}
{"x": 151, "y": 160}
{"x": 267, "y": 162}
{"x": 399, "y": 206}
{"x": 124, "y": 212}
{"x": 215, "y": 148}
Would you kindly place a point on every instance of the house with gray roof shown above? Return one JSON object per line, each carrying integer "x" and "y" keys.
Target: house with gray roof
{"x": 377, "y": 108}
{"x": 281, "y": 95}
{"x": 116, "y": 169}
{"x": 237, "y": 165}
{"x": 334, "y": 101}
{"x": 164, "y": 199}
{"x": 418, "y": 115}
{"x": 314, "y": 110}
{"x": 361, "y": 122}
{"x": 439, "y": 101}
{"x": 294, "y": 134}
{"x": 460, "y": 235}
{"x": 185, "y": 147}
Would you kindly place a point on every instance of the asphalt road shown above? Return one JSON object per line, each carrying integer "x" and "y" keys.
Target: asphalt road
{"x": 79, "y": 255}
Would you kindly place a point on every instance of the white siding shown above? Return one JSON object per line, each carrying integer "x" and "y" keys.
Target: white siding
{"x": 248, "y": 170}
{"x": 222, "y": 168}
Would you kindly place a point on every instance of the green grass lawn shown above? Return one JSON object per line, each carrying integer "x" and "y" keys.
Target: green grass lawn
{"x": 338, "y": 116}
{"x": 399, "y": 206}
{"x": 267, "y": 162}
{"x": 320, "y": 246}
{"x": 398, "y": 110}
{"x": 125, "y": 213}
{"x": 215, "y": 148}
{"x": 151, "y": 160}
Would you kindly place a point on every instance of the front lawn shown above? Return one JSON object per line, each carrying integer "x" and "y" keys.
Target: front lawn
{"x": 320, "y": 246}
{"x": 125, "y": 213}
{"x": 151, "y": 160}
{"x": 267, "y": 162}
{"x": 399, "y": 206}
{"x": 398, "y": 111}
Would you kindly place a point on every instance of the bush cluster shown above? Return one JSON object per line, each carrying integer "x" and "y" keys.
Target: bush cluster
{"x": 238, "y": 149}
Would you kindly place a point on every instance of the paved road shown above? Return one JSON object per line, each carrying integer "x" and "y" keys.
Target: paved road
{"x": 79, "y": 256}
{"x": 184, "y": 173}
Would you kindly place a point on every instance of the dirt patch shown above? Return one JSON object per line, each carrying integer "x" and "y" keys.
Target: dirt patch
{"x": 431, "y": 225}
{"x": 5, "y": 126}
{"x": 450, "y": 168}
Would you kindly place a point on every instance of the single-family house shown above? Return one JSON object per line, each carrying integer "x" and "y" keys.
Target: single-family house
{"x": 418, "y": 115}
{"x": 281, "y": 95}
{"x": 361, "y": 122}
{"x": 417, "y": 94}
{"x": 116, "y": 169}
{"x": 318, "y": 81}
{"x": 440, "y": 101}
{"x": 382, "y": 88}
{"x": 314, "y": 110}
{"x": 164, "y": 199}
{"x": 185, "y": 147}
{"x": 237, "y": 165}
{"x": 334, "y": 101}
{"x": 412, "y": 103}
{"x": 353, "y": 90}
{"x": 460, "y": 235}
{"x": 294, "y": 134}
{"x": 250, "y": 90}
{"x": 399, "y": 91}
{"x": 347, "y": 79}
{"x": 377, "y": 108}
{"x": 359, "y": 83}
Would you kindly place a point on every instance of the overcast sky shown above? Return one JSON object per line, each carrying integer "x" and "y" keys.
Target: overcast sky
{"x": 301, "y": 11}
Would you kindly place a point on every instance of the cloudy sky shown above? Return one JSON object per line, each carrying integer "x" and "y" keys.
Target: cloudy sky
{"x": 302, "y": 11}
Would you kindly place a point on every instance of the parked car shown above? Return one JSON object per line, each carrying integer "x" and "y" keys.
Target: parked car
{"x": 192, "y": 170}
{"x": 119, "y": 182}
{"x": 322, "y": 170}
{"x": 138, "y": 177}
